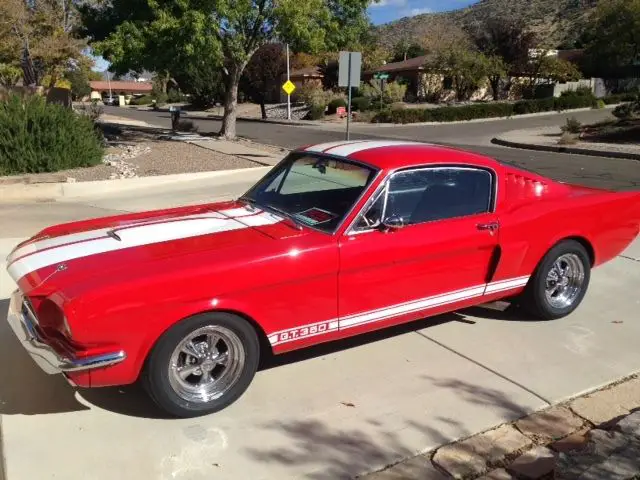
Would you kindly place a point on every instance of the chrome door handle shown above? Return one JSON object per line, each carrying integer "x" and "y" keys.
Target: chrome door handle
{"x": 492, "y": 227}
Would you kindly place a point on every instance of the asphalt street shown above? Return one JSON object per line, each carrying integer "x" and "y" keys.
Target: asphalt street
{"x": 616, "y": 174}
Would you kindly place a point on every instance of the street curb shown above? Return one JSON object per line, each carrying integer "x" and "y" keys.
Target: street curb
{"x": 570, "y": 150}
{"x": 312, "y": 123}
{"x": 52, "y": 191}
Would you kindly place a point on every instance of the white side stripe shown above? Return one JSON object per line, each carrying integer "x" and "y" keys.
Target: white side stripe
{"x": 363, "y": 318}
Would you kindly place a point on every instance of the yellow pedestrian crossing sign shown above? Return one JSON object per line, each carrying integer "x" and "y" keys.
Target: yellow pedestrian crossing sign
{"x": 289, "y": 87}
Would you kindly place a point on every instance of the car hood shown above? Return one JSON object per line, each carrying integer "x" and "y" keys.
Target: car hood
{"x": 74, "y": 252}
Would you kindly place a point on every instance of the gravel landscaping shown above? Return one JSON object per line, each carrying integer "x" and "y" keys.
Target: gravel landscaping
{"x": 134, "y": 153}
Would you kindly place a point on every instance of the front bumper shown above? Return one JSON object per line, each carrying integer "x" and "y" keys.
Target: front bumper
{"x": 25, "y": 326}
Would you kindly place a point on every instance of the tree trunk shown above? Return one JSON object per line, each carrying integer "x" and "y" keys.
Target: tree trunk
{"x": 495, "y": 87}
{"x": 228, "y": 129}
{"x": 263, "y": 108}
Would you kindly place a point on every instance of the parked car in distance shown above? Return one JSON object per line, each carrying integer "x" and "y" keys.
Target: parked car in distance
{"x": 111, "y": 100}
{"x": 337, "y": 240}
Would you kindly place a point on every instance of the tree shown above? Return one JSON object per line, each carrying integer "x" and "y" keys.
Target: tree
{"x": 405, "y": 49}
{"x": 613, "y": 39}
{"x": 374, "y": 56}
{"x": 159, "y": 32}
{"x": 264, "y": 71}
{"x": 496, "y": 72}
{"x": 40, "y": 33}
{"x": 302, "y": 60}
{"x": 547, "y": 68}
{"x": 9, "y": 75}
{"x": 467, "y": 69}
{"x": 506, "y": 38}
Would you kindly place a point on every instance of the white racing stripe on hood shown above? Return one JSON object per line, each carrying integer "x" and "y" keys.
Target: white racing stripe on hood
{"x": 135, "y": 235}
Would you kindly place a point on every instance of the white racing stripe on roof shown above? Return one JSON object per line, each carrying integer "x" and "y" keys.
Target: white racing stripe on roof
{"x": 346, "y": 150}
{"x": 321, "y": 147}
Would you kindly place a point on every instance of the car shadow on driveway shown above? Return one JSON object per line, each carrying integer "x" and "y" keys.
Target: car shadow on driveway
{"x": 27, "y": 390}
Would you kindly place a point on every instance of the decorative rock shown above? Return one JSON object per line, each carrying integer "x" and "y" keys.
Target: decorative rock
{"x": 416, "y": 467}
{"x": 71, "y": 180}
{"x": 551, "y": 424}
{"x": 499, "y": 474}
{"x": 630, "y": 425}
{"x": 599, "y": 407}
{"x": 603, "y": 443}
{"x": 622, "y": 465}
{"x": 535, "y": 463}
{"x": 574, "y": 442}
{"x": 471, "y": 456}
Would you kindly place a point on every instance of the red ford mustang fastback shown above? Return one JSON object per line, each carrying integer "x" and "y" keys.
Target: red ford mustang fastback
{"x": 338, "y": 239}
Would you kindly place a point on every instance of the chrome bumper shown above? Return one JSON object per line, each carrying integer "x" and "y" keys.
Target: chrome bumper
{"x": 24, "y": 326}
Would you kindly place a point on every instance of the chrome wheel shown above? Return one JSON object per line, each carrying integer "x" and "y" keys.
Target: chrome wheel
{"x": 564, "y": 281}
{"x": 206, "y": 364}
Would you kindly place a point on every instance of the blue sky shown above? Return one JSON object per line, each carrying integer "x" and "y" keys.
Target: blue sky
{"x": 388, "y": 10}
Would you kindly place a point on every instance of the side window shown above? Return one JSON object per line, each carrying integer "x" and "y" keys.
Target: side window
{"x": 431, "y": 194}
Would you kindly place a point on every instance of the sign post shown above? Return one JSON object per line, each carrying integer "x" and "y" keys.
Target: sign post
{"x": 382, "y": 77}
{"x": 349, "y": 75}
{"x": 288, "y": 81}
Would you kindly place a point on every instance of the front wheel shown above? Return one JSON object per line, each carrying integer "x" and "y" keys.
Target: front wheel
{"x": 560, "y": 281}
{"x": 202, "y": 364}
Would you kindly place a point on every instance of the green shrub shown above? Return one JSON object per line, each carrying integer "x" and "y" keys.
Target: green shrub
{"x": 628, "y": 110}
{"x": 143, "y": 100}
{"x": 568, "y": 102}
{"x": 361, "y": 104}
{"x": 533, "y": 106}
{"x": 578, "y": 92}
{"x": 39, "y": 137}
{"x": 316, "y": 112}
{"x": 335, "y": 104}
{"x": 599, "y": 104}
{"x": 175, "y": 96}
{"x": 186, "y": 126}
{"x": 573, "y": 125}
{"x": 445, "y": 114}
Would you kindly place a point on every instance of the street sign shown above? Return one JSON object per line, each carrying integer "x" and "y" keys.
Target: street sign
{"x": 289, "y": 87}
{"x": 381, "y": 76}
{"x": 349, "y": 68}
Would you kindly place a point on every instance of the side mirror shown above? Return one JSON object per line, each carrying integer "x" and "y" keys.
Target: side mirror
{"x": 394, "y": 222}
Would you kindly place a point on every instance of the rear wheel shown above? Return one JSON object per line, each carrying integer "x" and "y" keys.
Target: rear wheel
{"x": 202, "y": 364}
{"x": 560, "y": 281}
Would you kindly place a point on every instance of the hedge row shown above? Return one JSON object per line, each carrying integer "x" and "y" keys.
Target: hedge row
{"x": 488, "y": 110}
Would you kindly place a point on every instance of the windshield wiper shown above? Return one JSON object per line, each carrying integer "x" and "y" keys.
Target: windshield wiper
{"x": 295, "y": 223}
{"x": 253, "y": 203}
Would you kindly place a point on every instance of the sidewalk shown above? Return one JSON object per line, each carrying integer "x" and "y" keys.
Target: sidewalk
{"x": 546, "y": 139}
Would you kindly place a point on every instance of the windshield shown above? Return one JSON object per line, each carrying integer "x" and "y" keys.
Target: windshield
{"x": 312, "y": 190}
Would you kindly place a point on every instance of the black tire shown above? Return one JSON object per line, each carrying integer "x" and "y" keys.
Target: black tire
{"x": 157, "y": 369}
{"x": 534, "y": 299}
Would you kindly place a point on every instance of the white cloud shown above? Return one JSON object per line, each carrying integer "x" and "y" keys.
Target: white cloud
{"x": 390, "y": 3}
{"x": 419, "y": 11}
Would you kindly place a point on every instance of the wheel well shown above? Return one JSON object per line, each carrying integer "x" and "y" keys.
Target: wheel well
{"x": 265, "y": 345}
{"x": 587, "y": 246}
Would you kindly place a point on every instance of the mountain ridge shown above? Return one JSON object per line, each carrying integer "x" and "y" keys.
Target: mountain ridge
{"x": 557, "y": 23}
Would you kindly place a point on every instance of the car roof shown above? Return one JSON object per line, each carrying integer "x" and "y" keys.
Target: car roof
{"x": 394, "y": 154}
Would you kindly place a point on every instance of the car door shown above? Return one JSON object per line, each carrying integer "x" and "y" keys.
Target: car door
{"x": 435, "y": 253}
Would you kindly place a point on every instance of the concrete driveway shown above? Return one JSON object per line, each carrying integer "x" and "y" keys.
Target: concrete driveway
{"x": 329, "y": 412}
